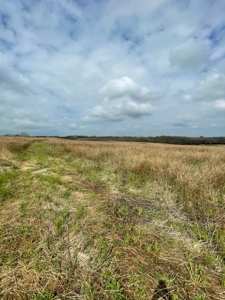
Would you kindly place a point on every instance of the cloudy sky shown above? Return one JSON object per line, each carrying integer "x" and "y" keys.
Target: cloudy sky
{"x": 112, "y": 67}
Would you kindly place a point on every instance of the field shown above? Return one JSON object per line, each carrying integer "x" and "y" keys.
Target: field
{"x": 111, "y": 220}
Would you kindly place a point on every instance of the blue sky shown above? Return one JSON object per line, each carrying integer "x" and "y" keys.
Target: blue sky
{"x": 100, "y": 67}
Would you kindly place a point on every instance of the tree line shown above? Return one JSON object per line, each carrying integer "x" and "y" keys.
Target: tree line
{"x": 179, "y": 140}
{"x": 165, "y": 139}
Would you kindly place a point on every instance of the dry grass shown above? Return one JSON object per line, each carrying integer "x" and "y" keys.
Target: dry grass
{"x": 112, "y": 220}
{"x": 9, "y": 145}
{"x": 196, "y": 172}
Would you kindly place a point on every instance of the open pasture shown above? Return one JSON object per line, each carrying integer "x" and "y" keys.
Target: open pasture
{"x": 111, "y": 220}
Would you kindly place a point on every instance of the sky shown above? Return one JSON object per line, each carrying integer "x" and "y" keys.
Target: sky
{"x": 112, "y": 67}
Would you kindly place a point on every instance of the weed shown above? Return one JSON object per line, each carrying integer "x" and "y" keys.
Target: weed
{"x": 65, "y": 194}
{"x": 198, "y": 275}
{"x": 80, "y": 212}
{"x": 45, "y": 295}
{"x": 60, "y": 221}
{"x": 199, "y": 297}
{"x": 128, "y": 239}
{"x": 223, "y": 282}
{"x": 50, "y": 179}
{"x": 23, "y": 208}
{"x": 4, "y": 194}
{"x": 47, "y": 198}
{"x": 8, "y": 259}
{"x": 113, "y": 287}
{"x": 211, "y": 259}
{"x": 90, "y": 292}
{"x": 200, "y": 233}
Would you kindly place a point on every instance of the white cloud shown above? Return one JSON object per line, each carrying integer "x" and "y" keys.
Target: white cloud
{"x": 75, "y": 126}
{"x": 120, "y": 112}
{"x": 125, "y": 86}
{"x": 135, "y": 110}
{"x": 99, "y": 113}
{"x": 217, "y": 106}
{"x": 210, "y": 89}
{"x": 220, "y": 104}
{"x": 124, "y": 99}
{"x": 190, "y": 56}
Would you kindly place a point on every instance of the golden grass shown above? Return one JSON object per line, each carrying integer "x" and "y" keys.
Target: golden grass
{"x": 9, "y": 145}
{"x": 197, "y": 172}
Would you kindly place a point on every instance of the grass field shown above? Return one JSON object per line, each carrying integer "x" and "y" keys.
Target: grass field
{"x": 111, "y": 220}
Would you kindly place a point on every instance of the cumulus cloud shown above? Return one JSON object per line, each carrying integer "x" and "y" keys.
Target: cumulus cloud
{"x": 126, "y": 86}
{"x": 189, "y": 56}
{"x": 135, "y": 110}
{"x": 210, "y": 89}
{"x": 99, "y": 113}
{"x": 124, "y": 99}
{"x": 119, "y": 112}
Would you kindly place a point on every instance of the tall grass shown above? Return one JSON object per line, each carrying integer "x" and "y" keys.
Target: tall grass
{"x": 9, "y": 145}
{"x": 196, "y": 172}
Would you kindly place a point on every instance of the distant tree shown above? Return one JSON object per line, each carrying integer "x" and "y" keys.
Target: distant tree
{"x": 24, "y": 134}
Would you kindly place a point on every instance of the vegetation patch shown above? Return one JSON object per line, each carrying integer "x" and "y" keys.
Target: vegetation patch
{"x": 108, "y": 220}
